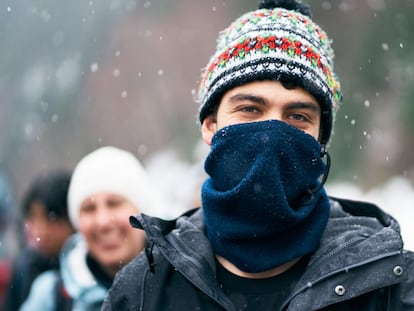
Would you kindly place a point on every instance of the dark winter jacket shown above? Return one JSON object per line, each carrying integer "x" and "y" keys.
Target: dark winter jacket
{"x": 360, "y": 265}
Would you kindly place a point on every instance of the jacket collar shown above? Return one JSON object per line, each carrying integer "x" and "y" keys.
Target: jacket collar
{"x": 183, "y": 243}
{"x": 358, "y": 234}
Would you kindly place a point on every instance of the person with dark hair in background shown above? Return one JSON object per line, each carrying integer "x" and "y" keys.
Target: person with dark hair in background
{"x": 108, "y": 185}
{"x": 46, "y": 226}
{"x": 267, "y": 236}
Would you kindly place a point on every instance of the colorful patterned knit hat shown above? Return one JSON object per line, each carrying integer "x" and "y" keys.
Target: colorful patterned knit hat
{"x": 279, "y": 41}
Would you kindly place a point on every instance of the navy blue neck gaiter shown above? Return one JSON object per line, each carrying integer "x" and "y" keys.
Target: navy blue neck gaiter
{"x": 256, "y": 204}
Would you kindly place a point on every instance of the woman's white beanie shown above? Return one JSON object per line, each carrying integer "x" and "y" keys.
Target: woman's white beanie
{"x": 109, "y": 169}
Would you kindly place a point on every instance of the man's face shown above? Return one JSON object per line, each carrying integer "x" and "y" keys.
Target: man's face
{"x": 262, "y": 101}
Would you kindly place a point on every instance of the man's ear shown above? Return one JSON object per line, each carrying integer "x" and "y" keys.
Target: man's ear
{"x": 209, "y": 128}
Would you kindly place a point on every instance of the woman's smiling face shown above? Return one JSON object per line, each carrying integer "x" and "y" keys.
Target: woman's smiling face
{"x": 104, "y": 223}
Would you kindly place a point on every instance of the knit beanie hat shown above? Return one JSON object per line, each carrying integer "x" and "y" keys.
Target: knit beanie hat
{"x": 279, "y": 41}
{"x": 109, "y": 169}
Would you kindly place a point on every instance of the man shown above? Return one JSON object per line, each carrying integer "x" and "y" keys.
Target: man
{"x": 267, "y": 236}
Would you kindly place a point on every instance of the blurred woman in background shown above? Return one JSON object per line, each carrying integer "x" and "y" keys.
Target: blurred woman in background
{"x": 108, "y": 186}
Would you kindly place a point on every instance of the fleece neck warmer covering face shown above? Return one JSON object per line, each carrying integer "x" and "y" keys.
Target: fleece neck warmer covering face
{"x": 256, "y": 204}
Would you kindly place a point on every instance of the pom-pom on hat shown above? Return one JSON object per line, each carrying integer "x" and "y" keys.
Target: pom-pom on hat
{"x": 279, "y": 41}
{"x": 109, "y": 169}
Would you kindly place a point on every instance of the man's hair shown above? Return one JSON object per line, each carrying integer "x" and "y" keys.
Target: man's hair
{"x": 50, "y": 189}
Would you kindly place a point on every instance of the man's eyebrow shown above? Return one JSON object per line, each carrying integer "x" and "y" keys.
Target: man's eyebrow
{"x": 247, "y": 97}
{"x": 303, "y": 105}
{"x": 260, "y": 100}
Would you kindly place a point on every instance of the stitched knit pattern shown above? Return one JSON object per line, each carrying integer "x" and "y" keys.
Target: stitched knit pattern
{"x": 273, "y": 44}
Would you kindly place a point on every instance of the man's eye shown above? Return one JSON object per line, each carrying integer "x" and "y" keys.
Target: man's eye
{"x": 249, "y": 109}
{"x": 298, "y": 117}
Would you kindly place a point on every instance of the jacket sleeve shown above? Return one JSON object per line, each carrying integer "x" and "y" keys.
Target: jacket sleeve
{"x": 41, "y": 295}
